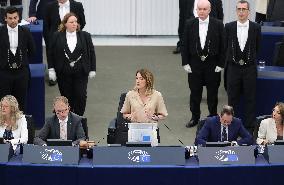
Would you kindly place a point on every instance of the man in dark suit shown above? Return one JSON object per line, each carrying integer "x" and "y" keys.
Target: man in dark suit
{"x": 187, "y": 10}
{"x": 202, "y": 59}
{"x": 16, "y": 3}
{"x": 17, "y": 45}
{"x": 242, "y": 43}
{"x": 223, "y": 128}
{"x": 37, "y": 9}
{"x": 55, "y": 12}
{"x": 63, "y": 125}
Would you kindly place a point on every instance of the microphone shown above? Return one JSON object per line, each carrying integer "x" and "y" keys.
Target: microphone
{"x": 8, "y": 134}
{"x": 173, "y": 133}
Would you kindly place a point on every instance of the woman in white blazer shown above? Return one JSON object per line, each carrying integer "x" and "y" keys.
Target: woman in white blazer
{"x": 13, "y": 124}
{"x": 271, "y": 129}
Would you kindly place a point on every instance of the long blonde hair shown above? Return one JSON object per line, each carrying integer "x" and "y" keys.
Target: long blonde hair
{"x": 62, "y": 27}
{"x": 15, "y": 114}
{"x": 149, "y": 77}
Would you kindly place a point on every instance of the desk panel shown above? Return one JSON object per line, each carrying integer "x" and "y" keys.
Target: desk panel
{"x": 17, "y": 173}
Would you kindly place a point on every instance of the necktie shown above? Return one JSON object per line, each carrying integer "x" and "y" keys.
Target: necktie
{"x": 224, "y": 134}
{"x": 63, "y": 131}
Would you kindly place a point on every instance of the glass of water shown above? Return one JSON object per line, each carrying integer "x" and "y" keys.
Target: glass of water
{"x": 261, "y": 64}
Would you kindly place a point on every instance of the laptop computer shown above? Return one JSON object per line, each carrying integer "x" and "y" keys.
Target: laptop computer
{"x": 58, "y": 142}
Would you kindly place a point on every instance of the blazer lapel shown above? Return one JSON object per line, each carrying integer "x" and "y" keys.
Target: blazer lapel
{"x": 57, "y": 127}
{"x": 6, "y": 37}
{"x": 69, "y": 127}
{"x": 20, "y": 37}
{"x": 72, "y": 7}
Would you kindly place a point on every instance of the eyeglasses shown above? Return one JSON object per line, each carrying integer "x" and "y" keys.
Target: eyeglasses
{"x": 242, "y": 9}
{"x": 61, "y": 111}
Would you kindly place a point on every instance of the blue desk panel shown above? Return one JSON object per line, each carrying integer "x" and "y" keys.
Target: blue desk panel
{"x": 270, "y": 89}
{"x": 262, "y": 173}
{"x": 36, "y": 30}
{"x": 36, "y": 94}
{"x": 270, "y": 35}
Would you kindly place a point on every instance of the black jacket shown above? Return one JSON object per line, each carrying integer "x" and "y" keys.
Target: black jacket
{"x": 25, "y": 44}
{"x": 56, "y": 55}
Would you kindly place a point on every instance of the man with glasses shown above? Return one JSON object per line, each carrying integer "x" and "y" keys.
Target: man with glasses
{"x": 223, "y": 128}
{"x": 242, "y": 43}
{"x": 63, "y": 125}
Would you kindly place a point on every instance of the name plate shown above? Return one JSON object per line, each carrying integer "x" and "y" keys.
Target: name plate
{"x": 166, "y": 155}
{"x": 274, "y": 154}
{"x": 6, "y": 152}
{"x": 50, "y": 154}
{"x": 226, "y": 155}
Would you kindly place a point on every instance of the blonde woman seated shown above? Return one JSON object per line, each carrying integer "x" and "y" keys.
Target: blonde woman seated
{"x": 271, "y": 129}
{"x": 144, "y": 104}
{"x": 13, "y": 124}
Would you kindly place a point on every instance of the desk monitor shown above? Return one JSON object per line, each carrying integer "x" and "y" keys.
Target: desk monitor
{"x": 1, "y": 140}
{"x": 279, "y": 142}
{"x": 217, "y": 144}
{"x": 58, "y": 142}
{"x": 143, "y": 133}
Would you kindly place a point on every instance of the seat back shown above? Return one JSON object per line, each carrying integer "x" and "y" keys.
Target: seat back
{"x": 31, "y": 128}
{"x": 278, "y": 56}
{"x": 200, "y": 124}
{"x": 85, "y": 127}
{"x": 120, "y": 121}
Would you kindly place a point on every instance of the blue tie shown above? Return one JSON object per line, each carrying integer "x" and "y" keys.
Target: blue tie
{"x": 224, "y": 134}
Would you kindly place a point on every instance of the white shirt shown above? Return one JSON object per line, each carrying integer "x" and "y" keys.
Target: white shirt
{"x": 20, "y": 134}
{"x": 71, "y": 40}
{"x": 195, "y": 8}
{"x": 242, "y": 33}
{"x": 13, "y": 38}
{"x": 64, "y": 8}
{"x": 203, "y": 28}
{"x": 63, "y": 128}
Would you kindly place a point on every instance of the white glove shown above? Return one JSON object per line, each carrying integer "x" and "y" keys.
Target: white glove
{"x": 92, "y": 74}
{"x": 218, "y": 69}
{"x": 52, "y": 74}
{"x": 187, "y": 68}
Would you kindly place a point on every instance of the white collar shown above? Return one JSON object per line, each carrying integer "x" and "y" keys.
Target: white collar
{"x": 206, "y": 21}
{"x": 12, "y": 29}
{"x": 245, "y": 24}
{"x": 63, "y": 121}
{"x": 72, "y": 34}
{"x": 66, "y": 4}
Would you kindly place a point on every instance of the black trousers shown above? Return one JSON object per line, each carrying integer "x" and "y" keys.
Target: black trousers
{"x": 74, "y": 87}
{"x": 203, "y": 75}
{"x": 260, "y": 17}
{"x": 242, "y": 81}
{"x": 15, "y": 82}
